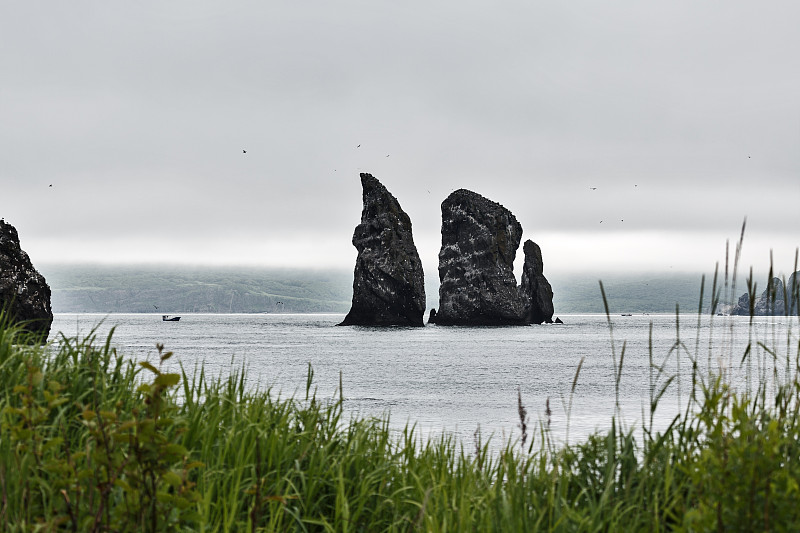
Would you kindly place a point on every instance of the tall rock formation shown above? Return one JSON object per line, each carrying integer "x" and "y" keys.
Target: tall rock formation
{"x": 775, "y": 300}
{"x": 388, "y": 282}
{"x": 24, "y": 293}
{"x": 476, "y": 266}
{"x": 793, "y": 293}
{"x": 535, "y": 290}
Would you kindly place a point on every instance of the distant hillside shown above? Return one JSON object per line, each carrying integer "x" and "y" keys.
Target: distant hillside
{"x": 631, "y": 293}
{"x": 173, "y": 289}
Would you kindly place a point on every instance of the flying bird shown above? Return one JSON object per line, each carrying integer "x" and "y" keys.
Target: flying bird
{"x": 387, "y": 155}
{"x": 51, "y": 184}
{"x": 244, "y": 151}
{"x": 593, "y": 188}
{"x": 359, "y": 146}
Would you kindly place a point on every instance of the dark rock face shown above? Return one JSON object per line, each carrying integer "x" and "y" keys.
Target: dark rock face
{"x": 480, "y": 239}
{"x": 432, "y": 317}
{"x": 535, "y": 290}
{"x": 793, "y": 293}
{"x": 476, "y": 263}
{"x": 742, "y": 307}
{"x": 776, "y": 299}
{"x": 388, "y": 282}
{"x": 24, "y": 293}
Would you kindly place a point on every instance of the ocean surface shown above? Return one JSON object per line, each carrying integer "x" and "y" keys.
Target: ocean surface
{"x": 458, "y": 379}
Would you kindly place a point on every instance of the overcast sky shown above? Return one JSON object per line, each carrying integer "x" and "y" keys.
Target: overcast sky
{"x": 684, "y": 115}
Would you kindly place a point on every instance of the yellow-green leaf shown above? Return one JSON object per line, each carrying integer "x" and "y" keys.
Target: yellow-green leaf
{"x": 151, "y": 368}
{"x": 57, "y": 402}
{"x": 52, "y": 443}
{"x": 125, "y": 426}
{"x": 172, "y": 478}
{"x": 175, "y": 449}
{"x": 167, "y": 380}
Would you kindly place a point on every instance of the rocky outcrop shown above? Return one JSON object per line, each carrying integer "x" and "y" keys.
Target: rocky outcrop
{"x": 793, "y": 293}
{"x": 432, "y": 317}
{"x": 775, "y": 300}
{"x": 24, "y": 293}
{"x": 388, "y": 282}
{"x": 476, "y": 262}
{"x": 535, "y": 290}
{"x": 742, "y": 307}
{"x": 477, "y": 287}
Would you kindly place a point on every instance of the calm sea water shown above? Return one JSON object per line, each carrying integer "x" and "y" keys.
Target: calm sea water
{"x": 458, "y": 379}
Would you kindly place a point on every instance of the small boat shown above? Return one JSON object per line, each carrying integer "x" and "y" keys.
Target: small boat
{"x": 167, "y": 318}
{"x": 626, "y": 314}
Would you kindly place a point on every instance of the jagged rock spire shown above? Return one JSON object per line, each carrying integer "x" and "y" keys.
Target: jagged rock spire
{"x": 534, "y": 289}
{"x": 24, "y": 293}
{"x": 388, "y": 281}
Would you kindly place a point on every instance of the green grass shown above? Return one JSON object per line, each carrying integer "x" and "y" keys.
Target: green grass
{"x": 90, "y": 441}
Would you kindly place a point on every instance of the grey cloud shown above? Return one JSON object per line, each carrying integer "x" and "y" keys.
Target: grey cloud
{"x": 139, "y": 113}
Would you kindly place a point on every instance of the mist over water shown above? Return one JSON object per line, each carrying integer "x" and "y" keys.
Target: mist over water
{"x": 458, "y": 379}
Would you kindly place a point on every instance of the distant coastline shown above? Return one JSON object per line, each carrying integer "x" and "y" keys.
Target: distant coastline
{"x": 175, "y": 289}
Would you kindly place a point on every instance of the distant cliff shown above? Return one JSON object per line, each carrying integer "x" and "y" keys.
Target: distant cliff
{"x": 777, "y": 299}
{"x": 388, "y": 281}
{"x": 24, "y": 293}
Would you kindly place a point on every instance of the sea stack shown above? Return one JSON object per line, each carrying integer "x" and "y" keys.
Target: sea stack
{"x": 476, "y": 263}
{"x": 535, "y": 290}
{"x": 777, "y": 299}
{"x": 388, "y": 281}
{"x": 477, "y": 287}
{"x": 24, "y": 293}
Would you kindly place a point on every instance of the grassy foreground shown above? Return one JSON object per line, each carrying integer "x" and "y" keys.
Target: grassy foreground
{"x": 90, "y": 441}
